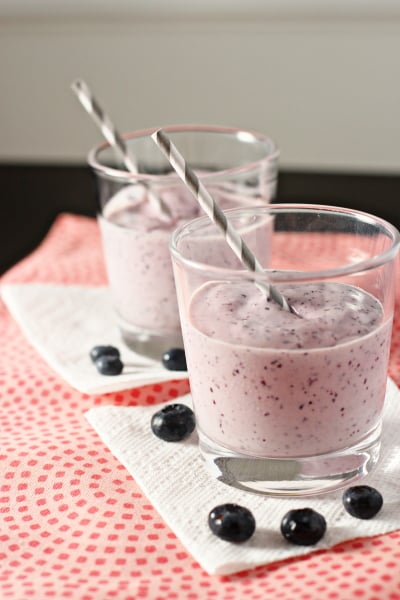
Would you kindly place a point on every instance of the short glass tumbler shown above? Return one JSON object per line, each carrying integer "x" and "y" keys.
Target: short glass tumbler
{"x": 289, "y": 403}
{"x": 238, "y": 167}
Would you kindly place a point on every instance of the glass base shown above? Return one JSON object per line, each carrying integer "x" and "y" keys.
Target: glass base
{"x": 299, "y": 476}
{"x": 147, "y": 343}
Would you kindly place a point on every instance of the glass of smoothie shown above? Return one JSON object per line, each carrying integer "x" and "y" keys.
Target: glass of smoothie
{"x": 138, "y": 212}
{"x": 286, "y": 402}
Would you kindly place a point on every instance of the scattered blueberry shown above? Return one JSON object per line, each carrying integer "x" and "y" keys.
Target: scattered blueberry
{"x": 173, "y": 423}
{"x": 174, "y": 359}
{"x": 362, "y": 501}
{"x": 231, "y": 522}
{"x": 109, "y": 365}
{"x": 303, "y": 526}
{"x": 98, "y": 351}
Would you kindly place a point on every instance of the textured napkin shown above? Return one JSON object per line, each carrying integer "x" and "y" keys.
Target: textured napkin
{"x": 64, "y": 322}
{"x": 175, "y": 480}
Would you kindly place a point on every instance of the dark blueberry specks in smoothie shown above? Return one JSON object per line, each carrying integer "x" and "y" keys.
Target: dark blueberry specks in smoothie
{"x": 312, "y": 376}
{"x": 331, "y": 314}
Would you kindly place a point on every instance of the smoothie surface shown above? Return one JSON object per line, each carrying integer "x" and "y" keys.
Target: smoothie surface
{"x": 331, "y": 313}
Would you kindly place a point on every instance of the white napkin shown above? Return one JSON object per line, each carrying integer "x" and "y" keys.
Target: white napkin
{"x": 174, "y": 478}
{"x": 64, "y": 322}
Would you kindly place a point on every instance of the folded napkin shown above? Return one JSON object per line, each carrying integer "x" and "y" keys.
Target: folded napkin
{"x": 64, "y": 322}
{"x": 174, "y": 478}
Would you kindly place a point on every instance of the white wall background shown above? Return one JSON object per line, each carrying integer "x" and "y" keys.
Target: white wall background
{"x": 321, "y": 77}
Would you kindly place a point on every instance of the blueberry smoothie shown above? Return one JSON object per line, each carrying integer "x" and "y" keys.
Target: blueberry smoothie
{"x": 268, "y": 383}
{"x": 135, "y": 239}
{"x": 135, "y": 243}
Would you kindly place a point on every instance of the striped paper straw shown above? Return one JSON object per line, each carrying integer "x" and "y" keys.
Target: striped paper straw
{"x": 216, "y": 215}
{"x": 110, "y": 132}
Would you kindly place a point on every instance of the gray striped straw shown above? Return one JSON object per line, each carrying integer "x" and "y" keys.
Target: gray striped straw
{"x": 110, "y": 132}
{"x": 216, "y": 215}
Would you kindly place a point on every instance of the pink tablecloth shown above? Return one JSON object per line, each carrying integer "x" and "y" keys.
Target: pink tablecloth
{"x": 73, "y": 522}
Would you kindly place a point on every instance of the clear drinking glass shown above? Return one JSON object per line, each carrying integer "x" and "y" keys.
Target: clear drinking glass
{"x": 289, "y": 403}
{"x": 238, "y": 167}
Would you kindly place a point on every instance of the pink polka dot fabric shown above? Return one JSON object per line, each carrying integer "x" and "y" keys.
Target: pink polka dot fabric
{"x": 74, "y": 524}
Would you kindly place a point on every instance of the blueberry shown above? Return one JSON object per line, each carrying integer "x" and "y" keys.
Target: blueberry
{"x": 109, "y": 365}
{"x": 231, "y": 522}
{"x": 303, "y": 526}
{"x": 362, "y": 501}
{"x": 98, "y": 351}
{"x": 174, "y": 359}
{"x": 173, "y": 423}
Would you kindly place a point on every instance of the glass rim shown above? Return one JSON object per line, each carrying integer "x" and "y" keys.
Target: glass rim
{"x": 123, "y": 175}
{"x": 279, "y": 276}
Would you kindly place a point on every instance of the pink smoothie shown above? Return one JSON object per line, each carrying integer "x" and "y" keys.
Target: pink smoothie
{"x": 268, "y": 383}
{"x": 135, "y": 243}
